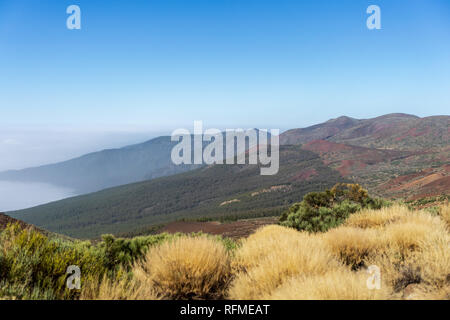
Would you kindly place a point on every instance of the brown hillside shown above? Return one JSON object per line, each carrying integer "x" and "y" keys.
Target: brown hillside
{"x": 348, "y": 160}
{"x": 426, "y": 183}
{"x": 318, "y": 132}
{"x": 392, "y": 131}
{"x": 5, "y": 220}
{"x": 395, "y": 155}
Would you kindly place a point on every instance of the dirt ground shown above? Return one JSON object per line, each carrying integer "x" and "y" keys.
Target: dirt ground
{"x": 234, "y": 230}
{"x": 5, "y": 220}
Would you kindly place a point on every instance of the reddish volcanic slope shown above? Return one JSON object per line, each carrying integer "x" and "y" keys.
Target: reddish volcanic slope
{"x": 388, "y": 173}
{"x": 395, "y": 155}
{"x": 322, "y": 147}
{"x": 346, "y": 159}
{"x": 426, "y": 183}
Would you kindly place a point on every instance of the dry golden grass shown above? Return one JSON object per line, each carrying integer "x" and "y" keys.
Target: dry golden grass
{"x": 424, "y": 292}
{"x": 120, "y": 288}
{"x": 408, "y": 246}
{"x": 339, "y": 284}
{"x": 445, "y": 214}
{"x": 260, "y": 244}
{"x": 353, "y": 245}
{"x": 187, "y": 268}
{"x": 273, "y": 255}
{"x": 406, "y": 237}
{"x": 433, "y": 260}
{"x": 416, "y": 251}
{"x": 397, "y": 271}
{"x": 377, "y": 218}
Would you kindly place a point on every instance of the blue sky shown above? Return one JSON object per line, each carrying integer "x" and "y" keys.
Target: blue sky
{"x": 160, "y": 65}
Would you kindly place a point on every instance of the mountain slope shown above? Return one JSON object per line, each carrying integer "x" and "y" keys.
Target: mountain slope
{"x": 318, "y": 132}
{"x": 114, "y": 167}
{"x": 6, "y": 220}
{"x": 395, "y": 155}
{"x": 399, "y": 132}
{"x": 388, "y": 173}
{"x": 347, "y": 158}
{"x": 391, "y": 131}
{"x": 107, "y": 168}
{"x": 211, "y": 192}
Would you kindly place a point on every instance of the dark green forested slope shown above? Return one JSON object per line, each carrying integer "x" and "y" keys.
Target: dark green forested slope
{"x": 191, "y": 195}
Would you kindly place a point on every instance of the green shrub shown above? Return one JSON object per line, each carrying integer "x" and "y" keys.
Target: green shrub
{"x": 34, "y": 266}
{"x": 122, "y": 253}
{"x": 119, "y": 252}
{"x": 320, "y": 211}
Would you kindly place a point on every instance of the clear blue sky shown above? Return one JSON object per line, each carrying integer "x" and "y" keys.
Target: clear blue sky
{"x": 268, "y": 64}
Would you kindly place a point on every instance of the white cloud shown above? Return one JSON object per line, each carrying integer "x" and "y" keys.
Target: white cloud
{"x": 28, "y": 147}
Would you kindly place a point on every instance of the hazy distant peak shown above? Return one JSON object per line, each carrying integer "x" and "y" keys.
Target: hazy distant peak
{"x": 398, "y": 116}
{"x": 392, "y": 131}
{"x": 343, "y": 120}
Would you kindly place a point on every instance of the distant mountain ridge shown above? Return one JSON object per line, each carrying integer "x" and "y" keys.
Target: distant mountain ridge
{"x": 392, "y": 131}
{"x": 318, "y": 132}
{"x": 112, "y": 167}
{"x": 106, "y": 168}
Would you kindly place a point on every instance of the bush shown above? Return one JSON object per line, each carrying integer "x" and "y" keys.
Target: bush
{"x": 320, "y": 211}
{"x": 123, "y": 253}
{"x": 187, "y": 268}
{"x": 369, "y": 218}
{"x": 34, "y": 266}
{"x": 353, "y": 245}
{"x": 416, "y": 252}
{"x": 270, "y": 257}
{"x": 119, "y": 252}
